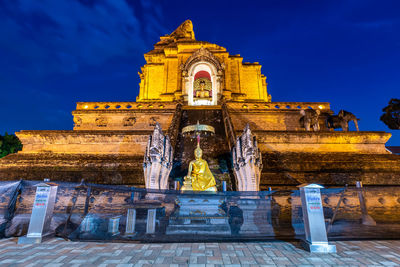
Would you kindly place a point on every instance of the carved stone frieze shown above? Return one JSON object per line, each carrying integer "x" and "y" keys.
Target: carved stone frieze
{"x": 247, "y": 162}
{"x": 101, "y": 122}
{"x": 153, "y": 121}
{"x": 129, "y": 121}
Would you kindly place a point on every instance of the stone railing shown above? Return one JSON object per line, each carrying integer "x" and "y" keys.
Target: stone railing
{"x": 324, "y": 106}
{"x": 173, "y": 129}
{"x": 233, "y": 105}
{"x": 229, "y": 130}
{"x": 124, "y": 105}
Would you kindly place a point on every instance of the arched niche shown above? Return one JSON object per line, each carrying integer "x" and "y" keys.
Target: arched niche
{"x": 202, "y": 65}
{"x": 199, "y": 73}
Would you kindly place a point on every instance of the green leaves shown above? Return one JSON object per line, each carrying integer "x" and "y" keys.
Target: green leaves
{"x": 391, "y": 117}
{"x": 9, "y": 143}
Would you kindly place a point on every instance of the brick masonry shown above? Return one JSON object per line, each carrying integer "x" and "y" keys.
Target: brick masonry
{"x": 57, "y": 252}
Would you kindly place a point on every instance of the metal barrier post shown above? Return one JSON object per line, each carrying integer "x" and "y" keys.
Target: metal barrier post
{"x": 224, "y": 186}
{"x": 42, "y": 213}
{"x": 314, "y": 222}
{"x": 366, "y": 219}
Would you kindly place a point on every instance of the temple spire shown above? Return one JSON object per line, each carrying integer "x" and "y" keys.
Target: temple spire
{"x": 185, "y": 30}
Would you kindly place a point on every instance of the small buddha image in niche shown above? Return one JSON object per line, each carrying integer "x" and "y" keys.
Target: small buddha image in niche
{"x": 202, "y": 89}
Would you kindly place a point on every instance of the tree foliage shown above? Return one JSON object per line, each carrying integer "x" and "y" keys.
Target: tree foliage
{"x": 9, "y": 143}
{"x": 391, "y": 115}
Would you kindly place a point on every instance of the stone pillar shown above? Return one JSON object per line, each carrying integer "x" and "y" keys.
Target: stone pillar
{"x": 256, "y": 216}
{"x": 247, "y": 162}
{"x": 113, "y": 225}
{"x": 87, "y": 225}
{"x": 157, "y": 160}
{"x": 151, "y": 221}
{"x": 130, "y": 222}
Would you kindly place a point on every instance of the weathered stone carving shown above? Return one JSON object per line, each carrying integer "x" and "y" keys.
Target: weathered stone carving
{"x": 153, "y": 121}
{"x": 185, "y": 30}
{"x": 129, "y": 121}
{"x": 77, "y": 121}
{"x": 247, "y": 162}
{"x": 342, "y": 120}
{"x": 309, "y": 119}
{"x": 157, "y": 160}
{"x": 101, "y": 122}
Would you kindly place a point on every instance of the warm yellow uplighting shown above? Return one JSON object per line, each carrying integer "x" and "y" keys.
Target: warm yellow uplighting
{"x": 172, "y": 60}
{"x": 320, "y": 106}
{"x": 86, "y": 106}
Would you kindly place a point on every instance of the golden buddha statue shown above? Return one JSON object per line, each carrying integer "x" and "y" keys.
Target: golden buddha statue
{"x": 202, "y": 92}
{"x": 199, "y": 177}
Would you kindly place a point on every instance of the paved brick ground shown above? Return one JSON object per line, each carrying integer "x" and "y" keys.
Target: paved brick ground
{"x": 57, "y": 252}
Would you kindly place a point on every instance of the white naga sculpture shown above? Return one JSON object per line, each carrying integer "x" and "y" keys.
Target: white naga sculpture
{"x": 247, "y": 162}
{"x": 157, "y": 160}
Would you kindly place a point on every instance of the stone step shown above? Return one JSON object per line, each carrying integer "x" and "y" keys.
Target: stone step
{"x": 198, "y": 229}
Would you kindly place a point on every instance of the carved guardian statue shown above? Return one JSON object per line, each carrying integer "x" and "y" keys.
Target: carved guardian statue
{"x": 247, "y": 162}
{"x": 157, "y": 160}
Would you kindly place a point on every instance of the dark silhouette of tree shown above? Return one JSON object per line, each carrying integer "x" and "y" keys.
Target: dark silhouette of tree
{"x": 391, "y": 115}
{"x": 9, "y": 143}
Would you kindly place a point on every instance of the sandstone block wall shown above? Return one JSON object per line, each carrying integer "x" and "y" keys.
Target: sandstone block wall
{"x": 322, "y": 141}
{"x": 84, "y": 142}
{"x": 274, "y": 116}
{"x": 122, "y": 116}
{"x": 290, "y": 168}
{"x": 100, "y": 169}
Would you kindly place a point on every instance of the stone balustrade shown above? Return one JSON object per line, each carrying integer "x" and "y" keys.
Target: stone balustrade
{"x": 124, "y": 105}
{"x": 323, "y": 106}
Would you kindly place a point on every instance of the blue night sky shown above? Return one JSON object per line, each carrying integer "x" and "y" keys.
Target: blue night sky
{"x": 54, "y": 53}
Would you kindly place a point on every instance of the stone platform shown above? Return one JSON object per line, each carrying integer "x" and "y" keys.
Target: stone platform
{"x": 199, "y": 215}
